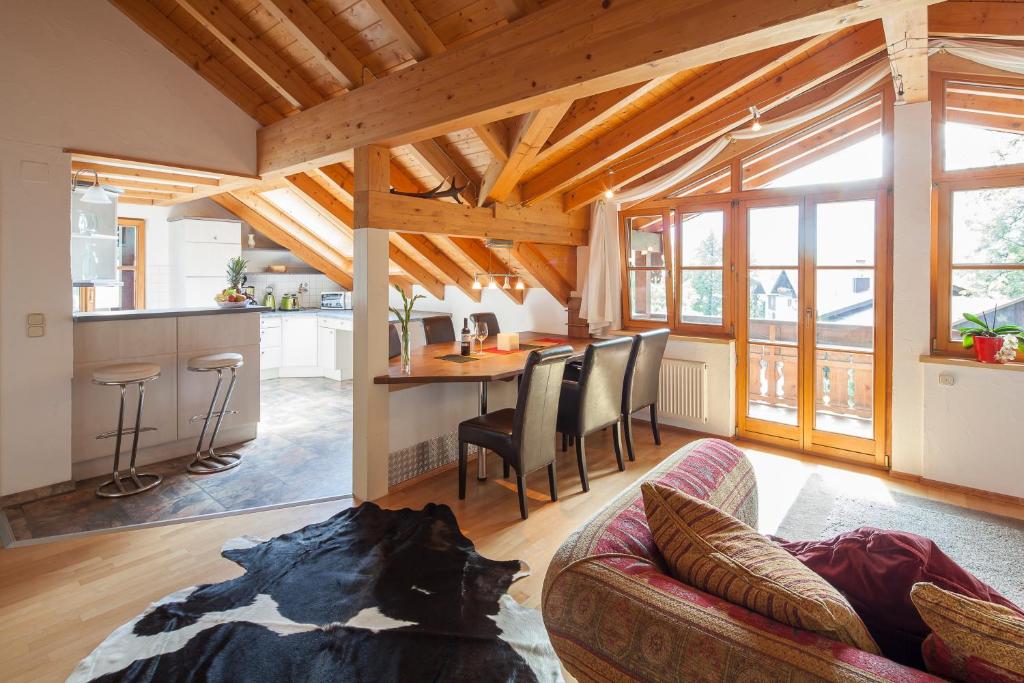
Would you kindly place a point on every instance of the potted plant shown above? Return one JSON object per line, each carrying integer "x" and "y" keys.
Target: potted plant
{"x": 404, "y": 316}
{"x": 991, "y": 344}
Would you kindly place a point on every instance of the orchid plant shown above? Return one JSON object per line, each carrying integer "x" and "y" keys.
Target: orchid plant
{"x": 982, "y": 328}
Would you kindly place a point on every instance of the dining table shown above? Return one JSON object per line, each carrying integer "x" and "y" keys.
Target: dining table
{"x": 443, "y": 363}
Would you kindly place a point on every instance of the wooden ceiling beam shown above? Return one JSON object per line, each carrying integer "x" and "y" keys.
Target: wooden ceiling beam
{"x": 440, "y": 260}
{"x": 486, "y": 260}
{"x": 251, "y": 49}
{"x": 515, "y": 9}
{"x": 415, "y": 270}
{"x": 139, "y": 185}
{"x": 537, "y": 265}
{"x": 326, "y": 260}
{"x": 307, "y": 185}
{"x": 559, "y": 53}
{"x": 706, "y": 91}
{"x": 958, "y": 19}
{"x": 906, "y": 40}
{"x": 144, "y": 174}
{"x": 531, "y": 131}
{"x": 784, "y": 87}
{"x": 146, "y": 16}
{"x": 408, "y": 25}
{"x": 410, "y": 214}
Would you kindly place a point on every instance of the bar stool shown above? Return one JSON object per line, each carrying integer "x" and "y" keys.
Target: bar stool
{"x": 212, "y": 461}
{"x": 122, "y": 375}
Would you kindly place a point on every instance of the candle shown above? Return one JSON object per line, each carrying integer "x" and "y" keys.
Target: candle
{"x": 508, "y": 341}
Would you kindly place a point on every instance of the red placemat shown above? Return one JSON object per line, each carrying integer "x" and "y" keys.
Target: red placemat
{"x": 547, "y": 340}
{"x": 495, "y": 349}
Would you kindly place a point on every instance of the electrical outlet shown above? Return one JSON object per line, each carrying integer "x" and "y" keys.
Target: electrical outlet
{"x": 947, "y": 380}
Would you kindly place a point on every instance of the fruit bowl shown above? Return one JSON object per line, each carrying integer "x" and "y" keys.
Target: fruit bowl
{"x": 232, "y": 304}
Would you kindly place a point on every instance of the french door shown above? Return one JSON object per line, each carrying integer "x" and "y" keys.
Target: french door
{"x": 811, "y": 337}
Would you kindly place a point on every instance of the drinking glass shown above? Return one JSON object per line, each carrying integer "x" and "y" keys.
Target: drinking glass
{"x": 481, "y": 334}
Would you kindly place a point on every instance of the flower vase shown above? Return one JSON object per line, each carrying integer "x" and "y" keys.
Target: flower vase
{"x": 406, "y": 356}
{"x": 986, "y": 348}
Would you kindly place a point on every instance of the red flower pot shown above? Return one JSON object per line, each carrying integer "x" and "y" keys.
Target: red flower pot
{"x": 986, "y": 348}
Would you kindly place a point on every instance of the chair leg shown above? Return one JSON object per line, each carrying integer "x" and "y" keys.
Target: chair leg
{"x": 654, "y": 423}
{"x": 552, "y": 484}
{"x": 617, "y": 439}
{"x": 581, "y": 460}
{"x": 627, "y": 431}
{"x": 463, "y": 454}
{"x": 521, "y": 486}
{"x": 505, "y": 468}
{"x": 565, "y": 442}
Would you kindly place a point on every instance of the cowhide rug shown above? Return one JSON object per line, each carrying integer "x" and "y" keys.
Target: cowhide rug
{"x": 367, "y": 595}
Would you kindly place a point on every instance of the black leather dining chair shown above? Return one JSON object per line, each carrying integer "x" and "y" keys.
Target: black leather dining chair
{"x": 640, "y": 389}
{"x": 524, "y": 437}
{"x": 394, "y": 342}
{"x": 594, "y": 402}
{"x": 438, "y": 329}
{"x": 490, "y": 319}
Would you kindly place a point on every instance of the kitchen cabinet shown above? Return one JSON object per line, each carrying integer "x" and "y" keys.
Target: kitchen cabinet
{"x": 270, "y": 346}
{"x": 200, "y": 249}
{"x": 306, "y": 344}
{"x": 334, "y": 347}
{"x": 299, "y": 346}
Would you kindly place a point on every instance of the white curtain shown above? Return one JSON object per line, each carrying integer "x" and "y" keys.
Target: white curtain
{"x": 601, "y": 288}
{"x": 995, "y": 55}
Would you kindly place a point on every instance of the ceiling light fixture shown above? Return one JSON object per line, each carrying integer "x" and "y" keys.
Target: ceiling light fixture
{"x": 476, "y": 283}
{"x": 520, "y": 285}
{"x": 755, "y": 112}
{"x": 492, "y": 280}
{"x": 94, "y": 194}
{"x": 608, "y": 194}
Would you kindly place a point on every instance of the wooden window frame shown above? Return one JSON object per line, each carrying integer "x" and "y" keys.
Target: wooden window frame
{"x": 945, "y": 183}
{"x": 666, "y": 240}
{"x": 140, "y": 258}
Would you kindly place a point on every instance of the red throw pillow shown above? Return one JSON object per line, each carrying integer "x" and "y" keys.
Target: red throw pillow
{"x": 875, "y": 570}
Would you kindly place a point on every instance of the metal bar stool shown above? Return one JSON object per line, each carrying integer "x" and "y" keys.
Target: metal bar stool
{"x": 121, "y": 375}
{"x": 212, "y": 461}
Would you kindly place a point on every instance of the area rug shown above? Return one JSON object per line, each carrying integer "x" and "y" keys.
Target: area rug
{"x": 989, "y": 546}
{"x": 367, "y": 595}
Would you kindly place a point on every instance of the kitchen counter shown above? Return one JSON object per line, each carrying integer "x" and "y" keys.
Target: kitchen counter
{"x": 345, "y": 314}
{"x": 144, "y": 314}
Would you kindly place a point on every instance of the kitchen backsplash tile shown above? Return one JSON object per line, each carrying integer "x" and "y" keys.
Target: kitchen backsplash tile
{"x": 285, "y": 283}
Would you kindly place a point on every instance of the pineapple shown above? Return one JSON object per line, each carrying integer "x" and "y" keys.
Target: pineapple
{"x": 236, "y": 273}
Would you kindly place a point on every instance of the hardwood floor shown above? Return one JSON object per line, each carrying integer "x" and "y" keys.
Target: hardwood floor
{"x": 59, "y": 600}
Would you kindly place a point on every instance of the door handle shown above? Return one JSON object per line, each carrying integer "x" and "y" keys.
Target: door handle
{"x": 809, "y": 312}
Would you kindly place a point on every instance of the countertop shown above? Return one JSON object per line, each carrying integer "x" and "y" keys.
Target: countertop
{"x": 143, "y": 314}
{"x": 335, "y": 313}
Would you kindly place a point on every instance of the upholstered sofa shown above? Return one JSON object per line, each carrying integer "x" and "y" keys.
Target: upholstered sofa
{"x": 614, "y": 613}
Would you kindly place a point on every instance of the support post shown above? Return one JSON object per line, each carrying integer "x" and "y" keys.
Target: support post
{"x": 370, "y": 423}
{"x": 911, "y": 270}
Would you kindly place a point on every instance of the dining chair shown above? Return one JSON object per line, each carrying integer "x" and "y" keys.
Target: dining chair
{"x": 438, "y": 329}
{"x": 490, "y": 319}
{"x": 524, "y": 436}
{"x": 594, "y": 402}
{"x": 640, "y": 389}
{"x": 394, "y": 342}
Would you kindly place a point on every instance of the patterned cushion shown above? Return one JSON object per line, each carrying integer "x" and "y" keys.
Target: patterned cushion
{"x": 717, "y": 553}
{"x": 970, "y": 636}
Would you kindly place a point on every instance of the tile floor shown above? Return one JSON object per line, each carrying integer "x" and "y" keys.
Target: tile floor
{"x": 303, "y": 452}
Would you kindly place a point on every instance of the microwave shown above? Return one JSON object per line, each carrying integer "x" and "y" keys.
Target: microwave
{"x": 340, "y": 301}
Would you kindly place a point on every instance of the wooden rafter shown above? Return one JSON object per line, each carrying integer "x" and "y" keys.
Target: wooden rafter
{"x": 530, "y": 132}
{"x": 906, "y": 39}
{"x": 572, "y": 52}
{"x": 785, "y": 86}
{"x": 440, "y": 260}
{"x": 486, "y": 260}
{"x": 307, "y": 185}
{"x": 958, "y": 19}
{"x": 536, "y": 264}
{"x": 416, "y": 271}
{"x": 144, "y": 174}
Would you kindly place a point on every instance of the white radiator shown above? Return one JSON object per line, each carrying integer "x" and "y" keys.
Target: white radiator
{"x": 683, "y": 392}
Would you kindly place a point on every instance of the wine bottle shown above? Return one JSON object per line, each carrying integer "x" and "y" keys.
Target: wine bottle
{"x": 465, "y": 337}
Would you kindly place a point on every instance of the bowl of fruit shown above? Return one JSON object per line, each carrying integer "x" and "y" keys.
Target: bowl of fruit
{"x": 231, "y": 298}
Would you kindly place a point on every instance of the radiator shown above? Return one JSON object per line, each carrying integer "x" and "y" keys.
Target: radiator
{"x": 683, "y": 391}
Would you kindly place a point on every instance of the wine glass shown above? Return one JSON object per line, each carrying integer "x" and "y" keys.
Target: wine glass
{"x": 481, "y": 334}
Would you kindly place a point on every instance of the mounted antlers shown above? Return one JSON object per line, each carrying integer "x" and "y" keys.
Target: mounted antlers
{"x": 452, "y": 192}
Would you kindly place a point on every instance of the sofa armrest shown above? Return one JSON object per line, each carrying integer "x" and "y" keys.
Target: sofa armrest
{"x": 620, "y": 618}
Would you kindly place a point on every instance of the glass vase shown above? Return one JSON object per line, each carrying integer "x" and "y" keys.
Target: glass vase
{"x": 406, "y": 356}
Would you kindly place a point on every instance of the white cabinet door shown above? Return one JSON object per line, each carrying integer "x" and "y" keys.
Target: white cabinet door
{"x": 343, "y": 340}
{"x": 327, "y": 350}
{"x": 270, "y": 357}
{"x": 209, "y": 259}
{"x": 199, "y": 291}
{"x": 299, "y": 341}
{"x": 270, "y": 336}
{"x": 220, "y": 232}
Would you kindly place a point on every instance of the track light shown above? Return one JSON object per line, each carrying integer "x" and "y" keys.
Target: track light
{"x": 608, "y": 194}
{"x": 757, "y": 119}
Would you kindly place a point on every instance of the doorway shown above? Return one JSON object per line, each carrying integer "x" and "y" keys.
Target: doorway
{"x": 812, "y": 332}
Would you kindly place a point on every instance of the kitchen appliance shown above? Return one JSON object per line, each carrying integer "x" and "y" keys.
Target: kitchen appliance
{"x": 268, "y": 298}
{"x": 339, "y": 301}
{"x": 290, "y": 302}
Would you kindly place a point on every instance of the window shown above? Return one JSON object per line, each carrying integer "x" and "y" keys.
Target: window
{"x": 647, "y": 261}
{"x": 701, "y": 267}
{"x": 980, "y": 224}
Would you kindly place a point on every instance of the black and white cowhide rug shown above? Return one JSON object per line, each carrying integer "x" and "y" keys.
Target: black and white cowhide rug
{"x": 367, "y": 595}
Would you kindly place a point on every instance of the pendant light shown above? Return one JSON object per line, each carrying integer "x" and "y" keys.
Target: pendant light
{"x": 507, "y": 284}
{"x": 757, "y": 119}
{"x": 520, "y": 285}
{"x": 93, "y": 194}
{"x": 476, "y": 283}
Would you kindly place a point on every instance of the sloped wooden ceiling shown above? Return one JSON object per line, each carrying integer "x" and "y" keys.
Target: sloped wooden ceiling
{"x": 276, "y": 58}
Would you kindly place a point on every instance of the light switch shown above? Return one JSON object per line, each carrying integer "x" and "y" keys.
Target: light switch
{"x": 36, "y": 319}
{"x": 36, "y": 330}
{"x": 36, "y": 325}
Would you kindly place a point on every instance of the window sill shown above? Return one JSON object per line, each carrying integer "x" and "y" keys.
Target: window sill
{"x": 957, "y": 361}
{"x": 676, "y": 337}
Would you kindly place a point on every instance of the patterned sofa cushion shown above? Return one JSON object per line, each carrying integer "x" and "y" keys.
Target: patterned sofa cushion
{"x": 713, "y": 551}
{"x": 972, "y": 640}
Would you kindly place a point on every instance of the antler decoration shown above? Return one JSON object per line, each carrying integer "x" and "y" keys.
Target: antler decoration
{"x": 453, "y": 191}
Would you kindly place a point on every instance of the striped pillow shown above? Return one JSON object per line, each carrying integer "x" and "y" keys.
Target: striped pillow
{"x": 969, "y": 636}
{"x": 715, "y": 552}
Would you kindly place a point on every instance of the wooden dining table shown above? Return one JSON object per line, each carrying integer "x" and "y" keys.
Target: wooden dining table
{"x": 488, "y": 364}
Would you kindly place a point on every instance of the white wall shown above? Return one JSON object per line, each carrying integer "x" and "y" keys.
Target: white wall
{"x": 77, "y": 75}
{"x": 158, "y": 251}
{"x": 540, "y": 312}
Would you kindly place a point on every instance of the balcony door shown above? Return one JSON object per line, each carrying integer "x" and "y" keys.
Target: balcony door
{"x": 811, "y": 336}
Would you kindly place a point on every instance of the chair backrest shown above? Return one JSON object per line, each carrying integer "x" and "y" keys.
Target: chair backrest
{"x": 533, "y": 433}
{"x": 438, "y": 329}
{"x": 394, "y": 342}
{"x": 644, "y": 370}
{"x": 601, "y": 381}
{"x": 490, "y": 319}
